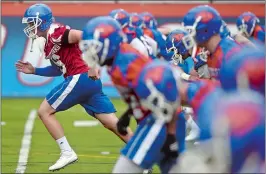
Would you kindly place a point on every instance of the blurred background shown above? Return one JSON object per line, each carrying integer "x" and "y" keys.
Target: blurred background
{"x": 22, "y": 94}
{"x": 14, "y": 43}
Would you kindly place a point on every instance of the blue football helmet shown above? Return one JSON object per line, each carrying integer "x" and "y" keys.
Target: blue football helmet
{"x": 37, "y": 17}
{"x": 135, "y": 20}
{"x": 246, "y": 23}
{"x": 149, "y": 20}
{"x": 174, "y": 43}
{"x": 158, "y": 89}
{"x": 202, "y": 22}
{"x": 121, "y": 16}
{"x": 245, "y": 70}
{"x": 100, "y": 40}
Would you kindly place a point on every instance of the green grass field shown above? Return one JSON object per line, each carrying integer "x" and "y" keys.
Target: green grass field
{"x": 88, "y": 142}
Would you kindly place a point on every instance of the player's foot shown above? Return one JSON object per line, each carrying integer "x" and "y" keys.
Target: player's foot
{"x": 65, "y": 159}
{"x": 147, "y": 171}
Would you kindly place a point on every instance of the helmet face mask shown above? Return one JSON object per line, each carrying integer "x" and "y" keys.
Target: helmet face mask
{"x": 32, "y": 23}
{"x": 90, "y": 50}
{"x": 177, "y": 57}
{"x": 189, "y": 40}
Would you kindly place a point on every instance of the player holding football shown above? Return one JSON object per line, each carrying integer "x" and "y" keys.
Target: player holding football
{"x": 102, "y": 43}
{"x": 61, "y": 48}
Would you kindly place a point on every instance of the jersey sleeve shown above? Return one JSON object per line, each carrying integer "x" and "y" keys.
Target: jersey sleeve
{"x": 192, "y": 90}
{"x": 60, "y": 35}
{"x": 197, "y": 92}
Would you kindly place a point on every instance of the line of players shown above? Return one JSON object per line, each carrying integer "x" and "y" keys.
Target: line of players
{"x": 228, "y": 105}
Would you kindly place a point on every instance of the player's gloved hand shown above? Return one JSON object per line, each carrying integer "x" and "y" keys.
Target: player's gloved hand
{"x": 25, "y": 67}
{"x": 94, "y": 73}
{"x": 123, "y": 123}
{"x": 170, "y": 148}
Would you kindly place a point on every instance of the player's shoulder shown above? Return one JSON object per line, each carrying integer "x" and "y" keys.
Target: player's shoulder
{"x": 201, "y": 88}
{"x": 56, "y": 32}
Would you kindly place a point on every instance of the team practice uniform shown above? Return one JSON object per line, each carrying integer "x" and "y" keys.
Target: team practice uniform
{"x": 197, "y": 73}
{"x": 67, "y": 58}
{"x": 125, "y": 68}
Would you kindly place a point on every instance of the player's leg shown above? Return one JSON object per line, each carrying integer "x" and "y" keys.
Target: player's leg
{"x": 47, "y": 115}
{"x": 109, "y": 121}
{"x": 61, "y": 98}
{"x": 101, "y": 107}
{"x": 144, "y": 148}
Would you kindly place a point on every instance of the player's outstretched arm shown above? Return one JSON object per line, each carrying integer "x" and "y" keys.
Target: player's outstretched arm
{"x": 27, "y": 68}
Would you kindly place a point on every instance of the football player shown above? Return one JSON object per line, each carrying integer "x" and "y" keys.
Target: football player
{"x": 134, "y": 36}
{"x": 203, "y": 23}
{"x": 61, "y": 48}
{"x": 249, "y": 26}
{"x": 154, "y": 140}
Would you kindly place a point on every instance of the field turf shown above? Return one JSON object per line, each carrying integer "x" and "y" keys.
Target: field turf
{"x": 88, "y": 142}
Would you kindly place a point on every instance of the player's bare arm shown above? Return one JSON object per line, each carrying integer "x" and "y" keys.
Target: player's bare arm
{"x": 74, "y": 36}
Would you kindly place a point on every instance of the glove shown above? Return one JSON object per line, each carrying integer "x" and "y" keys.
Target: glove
{"x": 169, "y": 148}
{"x": 123, "y": 122}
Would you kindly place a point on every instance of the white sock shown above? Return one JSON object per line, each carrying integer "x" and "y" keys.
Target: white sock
{"x": 193, "y": 125}
{"x": 189, "y": 122}
{"x": 63, "y": 144}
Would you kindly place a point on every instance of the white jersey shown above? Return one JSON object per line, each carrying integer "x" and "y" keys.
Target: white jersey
{"x": 153, "y": 44}
{"x": 139, "y": 45}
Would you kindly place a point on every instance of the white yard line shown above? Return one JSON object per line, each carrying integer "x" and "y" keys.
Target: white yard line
{"x": 26, "y": 143}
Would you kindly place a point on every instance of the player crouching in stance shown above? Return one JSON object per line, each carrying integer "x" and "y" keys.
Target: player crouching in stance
{"x": 150, "y": 90}
{"x": 61, "y": 48}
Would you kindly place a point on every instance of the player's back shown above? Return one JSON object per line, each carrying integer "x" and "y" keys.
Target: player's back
{"x": 124, "y": 72}
{"x": 67, "y": 57}
{"x": 127, "y": 65}
{"x": 241, "y": 116}
{"x": 226, "y": 48}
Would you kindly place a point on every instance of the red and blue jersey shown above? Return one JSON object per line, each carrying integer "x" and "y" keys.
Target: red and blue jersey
{"x": 66, "y": 57}
{"x": 124, "y": 73}
{"x": 243, "y": 114}
{"x": 259, "y": 33}
{"x": 203, "y": 97}
{"x": 224, "y": 51}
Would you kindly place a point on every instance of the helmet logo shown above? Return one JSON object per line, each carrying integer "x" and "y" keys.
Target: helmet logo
{"x": 120, "y": 15}
{"x": 156, "y": 75}
{"x": 134, "y": 18}
{"x": 105, "y": 30}
{"x": 246, "y": 18}
{"x": 147, "y": 18}
{"x": 205, "y": 16}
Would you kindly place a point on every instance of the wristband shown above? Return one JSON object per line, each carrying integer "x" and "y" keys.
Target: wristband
{"x": 185, "y": 76}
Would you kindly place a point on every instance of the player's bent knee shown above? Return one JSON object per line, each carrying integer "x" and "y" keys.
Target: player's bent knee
{"x": 45, "y": 109}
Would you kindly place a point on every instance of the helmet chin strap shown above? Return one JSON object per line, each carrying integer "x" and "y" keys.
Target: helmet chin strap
{"x": 31, "y": 47}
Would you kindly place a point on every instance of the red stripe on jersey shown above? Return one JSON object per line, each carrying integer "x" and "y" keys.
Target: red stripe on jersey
{"x": 201, "y": 94}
